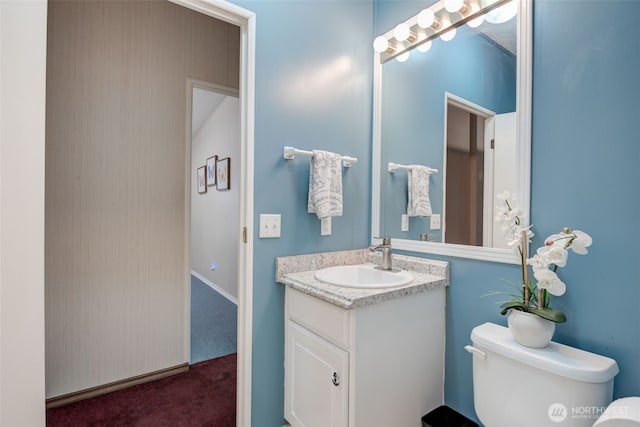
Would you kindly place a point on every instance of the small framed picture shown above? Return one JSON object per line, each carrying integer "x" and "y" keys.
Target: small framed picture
{"x": 223, "y": 173}
{"x": 202, "y": 179}
{"x": 211, "y": 171}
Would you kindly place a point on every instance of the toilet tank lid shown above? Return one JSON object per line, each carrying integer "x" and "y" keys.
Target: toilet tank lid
{"x": 556, "y": 358}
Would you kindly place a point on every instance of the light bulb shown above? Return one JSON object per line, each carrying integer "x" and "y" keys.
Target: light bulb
{"x": 502, "y": 14}
{"x": 403, "y": 57}
{"x": 424, "y": 47}
{"x": 475, "y": 23}
{"x": 380, "y": 44}
{"x": 426, "y": 18}
{"x": 401, "y": 32}
{"x": 449, "y": 35}
{"x": 453, "y": 5}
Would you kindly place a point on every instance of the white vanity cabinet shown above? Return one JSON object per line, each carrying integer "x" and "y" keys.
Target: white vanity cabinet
{"x": 377, "y": 365}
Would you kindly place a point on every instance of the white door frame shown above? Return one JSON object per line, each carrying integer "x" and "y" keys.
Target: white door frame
{"x": 246, "y": 20}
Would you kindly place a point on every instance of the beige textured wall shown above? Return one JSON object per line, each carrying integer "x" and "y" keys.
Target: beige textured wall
{"x": 115, "y": 268}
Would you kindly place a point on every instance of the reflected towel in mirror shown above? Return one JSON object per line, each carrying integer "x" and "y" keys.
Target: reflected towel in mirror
{"x": 325, "y": 186}
{"x": 418, "y": 191}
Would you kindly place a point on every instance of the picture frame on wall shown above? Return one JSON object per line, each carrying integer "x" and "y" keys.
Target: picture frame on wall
{"x": 223, "y": 174}
{"x": 211, "y": 171}
{"x": 201, "y": 179}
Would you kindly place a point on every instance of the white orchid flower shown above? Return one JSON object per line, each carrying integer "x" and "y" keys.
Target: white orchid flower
{"x": 504, "y": 196}
{"x": 514, "y": 212}
{"x": 576, "y": 240}
{"x": 560, "y": 240}
{"x": 501, "y": 216}
{"x": 550, "y": 281}
{"x": 581, "y": 242}
{"x": 507, "y": 229}
{"x": 537, "y": 262}
{"x": 514, "y": 241}
{"x": 554, "y": 255}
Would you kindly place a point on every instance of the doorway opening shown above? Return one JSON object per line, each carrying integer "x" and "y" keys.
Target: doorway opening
{"x": 215, "y": 219}
{"x": 465, "y": 176}
{"x": 117, "y": 189}
{"x": 480, "y": 153}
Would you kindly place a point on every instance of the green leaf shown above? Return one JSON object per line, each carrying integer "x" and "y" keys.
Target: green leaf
{"x": 550, "y": 314}
{"x": 512, "y": 304}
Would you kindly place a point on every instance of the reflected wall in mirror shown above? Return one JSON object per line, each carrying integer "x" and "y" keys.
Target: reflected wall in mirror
{"x": 462, "y": 107}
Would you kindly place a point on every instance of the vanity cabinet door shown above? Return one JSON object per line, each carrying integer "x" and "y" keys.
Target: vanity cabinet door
{"x": 316, "y": 380}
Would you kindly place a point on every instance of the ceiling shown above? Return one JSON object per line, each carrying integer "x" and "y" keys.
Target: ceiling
{"x": 204, "y": 103}
{"x": 503, "y": 34}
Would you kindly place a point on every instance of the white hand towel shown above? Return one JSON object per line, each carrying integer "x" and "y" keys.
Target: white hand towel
{"x": 325, "y": 184}
{"x": 418, "y": 191}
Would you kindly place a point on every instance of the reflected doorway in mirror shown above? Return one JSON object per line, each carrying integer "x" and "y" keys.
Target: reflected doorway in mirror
{"x": 480, "y": 152}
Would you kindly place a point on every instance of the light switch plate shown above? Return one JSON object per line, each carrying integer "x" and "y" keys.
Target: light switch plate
{"x": 325, "y": 226}
{"x": 434, "y": 222}
{"x": 269, "y": 226}
{"x": 405, "y": 223}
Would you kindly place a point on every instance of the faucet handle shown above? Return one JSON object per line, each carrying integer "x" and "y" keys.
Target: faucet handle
{"x": 385, "y": 240}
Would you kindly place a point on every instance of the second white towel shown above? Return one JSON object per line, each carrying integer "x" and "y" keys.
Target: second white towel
{"x": 325, "y": 185}
{"x": 418, "y": 191}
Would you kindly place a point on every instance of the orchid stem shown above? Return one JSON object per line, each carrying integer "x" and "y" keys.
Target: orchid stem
{"x": 525, "y": 269}
{"x": 541, "y": 298}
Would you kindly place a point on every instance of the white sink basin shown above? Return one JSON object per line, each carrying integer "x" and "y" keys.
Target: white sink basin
{"x": 363, "y": 276}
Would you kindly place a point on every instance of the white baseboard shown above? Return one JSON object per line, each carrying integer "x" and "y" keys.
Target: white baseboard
{"x": 216, "y": 288}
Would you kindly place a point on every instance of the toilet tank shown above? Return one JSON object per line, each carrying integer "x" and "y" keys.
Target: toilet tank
{"x": 519, "y": 386}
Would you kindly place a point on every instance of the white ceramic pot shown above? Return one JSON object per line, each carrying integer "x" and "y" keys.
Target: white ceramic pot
{"x": 530, "y": 330}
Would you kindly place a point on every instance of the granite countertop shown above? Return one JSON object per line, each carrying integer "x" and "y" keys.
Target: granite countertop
{"x": 298, "y": 273}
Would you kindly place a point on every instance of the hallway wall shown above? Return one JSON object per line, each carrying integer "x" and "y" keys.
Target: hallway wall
{"x": 215, "y": 215}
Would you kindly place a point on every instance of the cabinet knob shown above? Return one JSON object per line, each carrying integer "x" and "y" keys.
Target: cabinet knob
{"x": 335, "y": 380}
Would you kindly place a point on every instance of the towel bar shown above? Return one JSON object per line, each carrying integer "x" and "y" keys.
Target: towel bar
{"x": 290, "y": 153}
{"x": 392, "y": 167}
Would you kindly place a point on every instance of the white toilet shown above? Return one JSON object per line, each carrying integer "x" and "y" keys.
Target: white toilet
{"x": 553, "y": 386}
{"x": 623, "y": 412}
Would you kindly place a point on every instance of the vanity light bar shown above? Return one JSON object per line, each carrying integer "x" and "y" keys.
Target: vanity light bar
{"x": 290, "y": 154}
{"x": 424, "y": 35}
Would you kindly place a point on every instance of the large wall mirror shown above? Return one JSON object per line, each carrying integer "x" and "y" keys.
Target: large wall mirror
{"x": 452, "y": 107}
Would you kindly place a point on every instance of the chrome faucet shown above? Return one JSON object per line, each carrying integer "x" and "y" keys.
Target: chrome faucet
{"x": 385, "y": 247}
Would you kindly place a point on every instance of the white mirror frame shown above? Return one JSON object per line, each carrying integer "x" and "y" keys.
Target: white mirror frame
{"x": 523, "y": 123}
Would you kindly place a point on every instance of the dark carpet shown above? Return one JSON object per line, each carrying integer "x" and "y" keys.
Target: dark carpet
{"x": 203, "y": 396}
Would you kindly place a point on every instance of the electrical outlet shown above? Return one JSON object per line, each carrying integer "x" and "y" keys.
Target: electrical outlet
{"x": 434, "y": 222}
{"x": 269, "y": 226}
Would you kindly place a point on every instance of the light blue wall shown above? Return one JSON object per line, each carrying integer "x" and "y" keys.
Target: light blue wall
{"x": 586, "y": 151}
{"x": 313, "y": 91}
{"x": 585, "y": 154}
